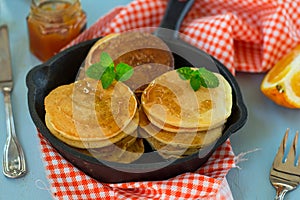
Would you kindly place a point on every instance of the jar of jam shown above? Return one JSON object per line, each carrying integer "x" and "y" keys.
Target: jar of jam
{"x": 52, "y": 24}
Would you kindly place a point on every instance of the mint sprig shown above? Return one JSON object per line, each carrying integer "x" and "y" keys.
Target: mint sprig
{"x": 198, "y": 78}
{"x": 106, "y": 71}
{"x": 123, "y": 72}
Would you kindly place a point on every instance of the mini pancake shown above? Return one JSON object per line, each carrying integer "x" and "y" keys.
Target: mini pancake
{"x": 170, "y": 128}
{"x": 148, "y": 54}
{"x": 113, "y": 153}
{"x": 163, "y": 147}
{"x": 170, "y": 100}
{"x": 180, "y": 140}
{"x": 168, "y": 151}
{"x": 86, "y": 143}
{"x": 133, "y": 152}
{"x": 80, "y": 112}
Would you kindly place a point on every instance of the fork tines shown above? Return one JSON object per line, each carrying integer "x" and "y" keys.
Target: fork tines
{"x": 289, "y": 165}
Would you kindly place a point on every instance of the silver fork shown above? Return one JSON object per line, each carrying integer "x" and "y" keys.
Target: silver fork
{"x": 285, "y": 173}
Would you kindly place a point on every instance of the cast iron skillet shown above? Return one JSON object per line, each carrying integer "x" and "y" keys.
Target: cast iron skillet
{"x": 63, "y": 68}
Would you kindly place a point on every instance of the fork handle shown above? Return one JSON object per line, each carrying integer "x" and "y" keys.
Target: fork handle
{"x": 280, "y": 193}
{"x": 13, "y": 159}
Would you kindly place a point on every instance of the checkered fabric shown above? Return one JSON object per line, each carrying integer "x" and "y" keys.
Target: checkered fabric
{"x": 245, "y": 35}
{"x": 208, "y": 182}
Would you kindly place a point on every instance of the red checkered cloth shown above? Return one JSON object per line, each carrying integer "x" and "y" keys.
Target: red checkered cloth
{"x": 245, "y": 35}
{"x": 208, "y": 182}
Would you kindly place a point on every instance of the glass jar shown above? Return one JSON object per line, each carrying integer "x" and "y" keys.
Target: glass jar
{"x": 52, "y": 24}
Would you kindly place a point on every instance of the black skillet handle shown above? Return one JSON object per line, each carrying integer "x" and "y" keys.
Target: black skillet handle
{"x": 174, "y": 15}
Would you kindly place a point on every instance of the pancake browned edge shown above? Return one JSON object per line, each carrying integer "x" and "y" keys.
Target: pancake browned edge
{"x": 126, "y": 150}
{"x": 167, "y": 151}
{"x": 178, "y": 121}
{"x": 86, "y": 116}
{"x": 171, "y": 104}
{"x": 122, "y": 149}
{"x": 148, "y": 54}
{"x": 100, "y": 123}
{"x": 176, "y": 144}
{"x": 86, "y": 143}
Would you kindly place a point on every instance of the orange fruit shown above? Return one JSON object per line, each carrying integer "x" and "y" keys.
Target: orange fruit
{"x": 282, "y": 83}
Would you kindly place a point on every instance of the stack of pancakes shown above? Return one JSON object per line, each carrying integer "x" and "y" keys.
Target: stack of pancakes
{"x": 147, "y": 54}
{"x": 106, "y": 123}
{"x": 177, "y": 121}
{"x": 101, "y": 122}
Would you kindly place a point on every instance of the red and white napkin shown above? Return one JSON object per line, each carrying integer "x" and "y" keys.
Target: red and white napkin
{"x": 208, "y": 182}
{"x": 245, "y": 35}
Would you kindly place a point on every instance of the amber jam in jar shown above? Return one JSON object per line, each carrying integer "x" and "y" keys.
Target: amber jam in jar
{"x": 52, "y": 24}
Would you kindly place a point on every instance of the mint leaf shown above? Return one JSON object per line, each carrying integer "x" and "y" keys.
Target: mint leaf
{"x": 108, "y": 77}
{"x": 201, "y": 77}
{"x": 123, "y": 72}
{"x": 195, "y": 81}
{"x": 95, "y": 71}
{"x": 209, "y": 79}
{"x": 185, "y": 73}
{"x": 106, "y": 60}
{"x": 104, "y": 70}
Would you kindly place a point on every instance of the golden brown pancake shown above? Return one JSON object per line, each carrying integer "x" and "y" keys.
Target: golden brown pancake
{"x": 170, "y": 128}
{"x": 118, "y": 147}
{"x": 170, "y": 100}
{"x": 179, "y": 140}
{"x": 148, "y": 54}
{"x": 118, "y": 152}
{"x": 86, "y": 143}
{"x": 169, "y": 150}
{"x": 81, "y": 112}
{"x": 133, "y": 152}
